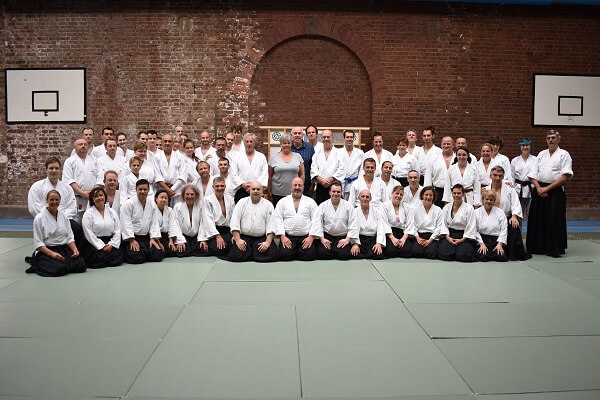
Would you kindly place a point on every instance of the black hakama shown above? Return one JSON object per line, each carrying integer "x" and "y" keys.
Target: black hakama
{"x": 99, "y": 258}
{"x": 391, "y": 251}
{"x": 490, "y": 242}
{"x": 145, "y": 254}
{"x": 296, "y": 252}
{"x": 464, "y": 252}
{"x": 430, "y": 252}
{"x": 43, "y": 265}
{"x": 252, "y": 253}
{"x": 334, "y": 252}
{"x": 547, "y": 224}
{"x": 213, "y": 250}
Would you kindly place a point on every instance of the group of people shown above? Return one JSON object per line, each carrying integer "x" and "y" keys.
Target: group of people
{"x": 167, "y": 197}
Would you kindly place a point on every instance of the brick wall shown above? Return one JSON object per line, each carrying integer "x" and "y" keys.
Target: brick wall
{"x": 154, "y": 64}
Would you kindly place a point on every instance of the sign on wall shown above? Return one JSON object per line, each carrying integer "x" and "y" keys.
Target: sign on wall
{"x": 566, "y": 100}
{"x": 36, "y": 95}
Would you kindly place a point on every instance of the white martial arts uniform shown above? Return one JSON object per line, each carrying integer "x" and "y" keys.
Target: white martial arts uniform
{"x": 493, "y": 224}
{"x": 389, "y": 188}
{"x": 98, "y": 151}
{"x": 290, "y": 222}
{"x": 463, "y": 220}
{"x": 340, "y": 221}
{"x": 48, "y": 231}
{"x": 352, "y": 166}
{"x": 385, "y": 156}
{"x": 164, "y": 218}
{"x": 213, "y": 215}
{"x": 373, "y": 226}
{"x": 420, "y": 157}
{"x": 436, "y": 171}
{"x": 139, "y": 220}
{"x": 520, "y": 169}
{"x": 95, "y": 226}
{"x": 426, "y": 222}
{"x": 378, "y": 191}
{"x": 127, "y": 154}
{"x": 128, "y": 180}
{"x": 191, "y": 175}
{"x": 253, "y": 219}
{"x": 327, "y": 167}
{"x": 36, "y": 198}
{"x": 469, "y": 179}
{"x": 116, "y": 205}
{"x": 173, "y": 172}
{"x": 404, "y": 219}
{"x": 179, "y": 223}
{"x": 317, "y": 147}
{"x": 411, "y": 200}
{"x": 509, "y": 201}
{"x": 549, "y": 168}
{"x": 209, "y": 187}
{"x": 402, "y": 165}
{"x": 245, "y": 172}
{"x": 85, "y": 174}
{"x": 428, "y": 157}
{"x": 504, "y": 162}
{"x": 105, "y": 163}
{"x": 210, "y": 156}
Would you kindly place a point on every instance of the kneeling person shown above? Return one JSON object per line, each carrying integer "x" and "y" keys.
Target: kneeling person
{"x": 295, "y": 221}
{"x": 140, "y": 228}
{"x": 252, "y": 228}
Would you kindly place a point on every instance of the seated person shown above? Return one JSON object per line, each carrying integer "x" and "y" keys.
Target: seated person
{"x": 218, "y": 208}
{"x": 295, "y": 222}
{"x": 56, "y": 253}
{"x": 428, "y": 225}
{"x": 186, "y": 225}
{"x": 253, "y": 228}
{"x": 491, "y": 230}
{"x": 140, "y": 229}
{"x": 161, "y": 199}
{"x": 337, "y": 226}
{"x": 102, "y": 230}
{"x": 371, "y": 229}
{"x": 400, "y": 225}
{"x": 459, "y": 229}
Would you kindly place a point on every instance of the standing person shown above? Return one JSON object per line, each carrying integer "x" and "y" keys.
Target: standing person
{"x": 218, "y": 208}
{"x": 547, "y": 225}
{"x": 55, "y": 251}
{"x": 491, "y": 230}
{"x": 170, "y": 169}
{"x": 296, "y": 224}
{"x": 371, "y": 229}
{"x": 403, "y": 162}
{"x": 284, "y": 166}
{"x": 139, "y": 228}
{"x": 253, "y": 227}
{"x": 307, "y": 152}
{"x": 123, "y": 150}
{"x": 100, "y": 150}
{"x": 220, "y": 152}
{"x": 102, "y": 230}
{"x": 204, "y": 182}
{"x": 238, "y": 142}
{"x": 111, "y": 160}
{"x": 81, "y": 173}
{"x": 378, "y": 153}
{"x": 326, "y": 167}
{"x": 412, "y": 148}
{"x": 412, "y": 192}
{"x": 153, "y": 149}
{"x": 499, "y": 158}
{"x": 111, "y": 184}
{"x": 88, "y": 134}
{"x": 386, "y": 177}
{"x": 36, "y": 198}
{"x": 461, "y": 143}
{"x": 206, "y": 151}
{"x": 436, "y": 172}
{"x": 464, "y": 173}
{"x": 352, "y": 160}
{"x": 224, "y": 167}
{"x": 191, "y": 161}
{"x": 484, "y": 165}
{"x": 428, "y": 225}
{"x": 370, "y": 182}
{"x": 312, "y": 136}
{"x": 459, "y": 229}
{"x": 250, "y": 166}
{"x": 128, "y": 180}
{"x": 430, "y": 151}
{"x": 186, "y": 225}
{"x": 521, "y": 166}
{"x": 400, "y": 225}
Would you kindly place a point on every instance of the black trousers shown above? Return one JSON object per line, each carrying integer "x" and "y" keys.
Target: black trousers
{"x": 439, "y": 193}
{"x": 334, "y": 252}
{"x": 296, "y": 252}
{"x": 145, "y": 254}
{"x": 164, "y": 240}
{"x": 547, "y": 224}
{"x": 403, "y": 180}
{"x": 515, "y": 249}
{"x": 213, "y": 250}
{"x": 430, "y": 252}
{"x": 464, "y": 252}
{"x": 391, "y": 251}
{"x": 192, "y": 248}
{"x": 321, "y": 194}
{"x": 99, "y": 258}
{"x": 43, "y": 265}
{"x": 251, "y": 253}
{"x": 366, "y": 248}
{"x": 276, "y": 199}
{"x": 240, "y": 194}
{"x": 492, "y": 255}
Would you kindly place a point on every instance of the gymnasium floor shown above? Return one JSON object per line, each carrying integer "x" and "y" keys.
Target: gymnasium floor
{"x": 402, "y": 329}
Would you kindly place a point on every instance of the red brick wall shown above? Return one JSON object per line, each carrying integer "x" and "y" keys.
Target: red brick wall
{"x": 465, "y": 69}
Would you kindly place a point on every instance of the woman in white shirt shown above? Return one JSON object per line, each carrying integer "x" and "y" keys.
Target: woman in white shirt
{"x": 492, "y": 229}
{"x": 521, "y": 166}
{"x": 459, "y": 229}
{"x": 102, "y": 229}
{"x": 161, "y": 198}
{"x": 399, "y": 224}
{"x": 55, "y": 251}
{"x": 186, "y": 233}
{"x": 461, "y": 171}
{"x": 428, "y": 224}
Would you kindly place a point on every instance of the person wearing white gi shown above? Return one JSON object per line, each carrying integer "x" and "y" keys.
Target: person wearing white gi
{"x": 123, "y": 150}
{"x": 110, "y": 160}
{"x": 464, "y": 173}
{"x": 370, "y": 182}
{"x": 238, "y": 143}
{"x": 140, "y": 229}
{"x": 99, "y": 151}
{"x": 429, "y": 151}
{"x": 459, "y": 229}
{"x": 55, "y": 251}
{"x": 220, "y": 152}
{"x": 224, "y": 168}
{"x": 521, "y": 166}
{"x": 412, "y": 192}
{"x": 484, "y": 165}
{"x": 351, "y": 160}
{"x": 250, "y": 166}
{"x": 436, "y": 171}
{"x": 186, "y": 225}
{"x": 253, "y": 227}
{"x": 461, "y": 143}
{"x": 191, "y": 161}
{"x": 326, "y": 167}
{"x": 151, "y": 142}
{"x": 403, "y": 162}
{"x": 491, "y": 230}
{"x": 386, "y": 177}
{"x": 113, "y": 197}
{"x": 508, "y": 201}
{"x": 161, "y": 200}
{"x": 296, "y": 224}
{"x": 547, "y": 225}
{"x": 428, "y": 225}
{"x": 312, "y": 138}
{"x": 170, "y": 169}
{"x": 338, "y": 228}
{"x": 499, "y": 158}
{"x": 399, "y": 224}
{"x": 371, "y": 229}
{"x": 378, "y": 153}
{"x": 102, "y": 230}
{"x": 204, "y": 181}
{"x": 36, "y": 198}
{"x": 205, "y": 152}
{"x": 218, "y": 208}
{"x": 81, "y": 173}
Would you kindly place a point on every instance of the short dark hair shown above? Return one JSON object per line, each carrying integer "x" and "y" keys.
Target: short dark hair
{"x": 142, "y": 182}
{"x": 425, "y": 189}
{"x": 93, "y": 193}
{"x": 430, "y": 128}
{"x": 52, "y": 160}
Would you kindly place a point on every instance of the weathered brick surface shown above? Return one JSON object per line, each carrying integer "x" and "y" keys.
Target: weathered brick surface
{"x": 153, "y": 64}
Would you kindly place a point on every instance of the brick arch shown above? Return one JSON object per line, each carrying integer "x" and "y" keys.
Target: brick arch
{"x": 341, "y": 33}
